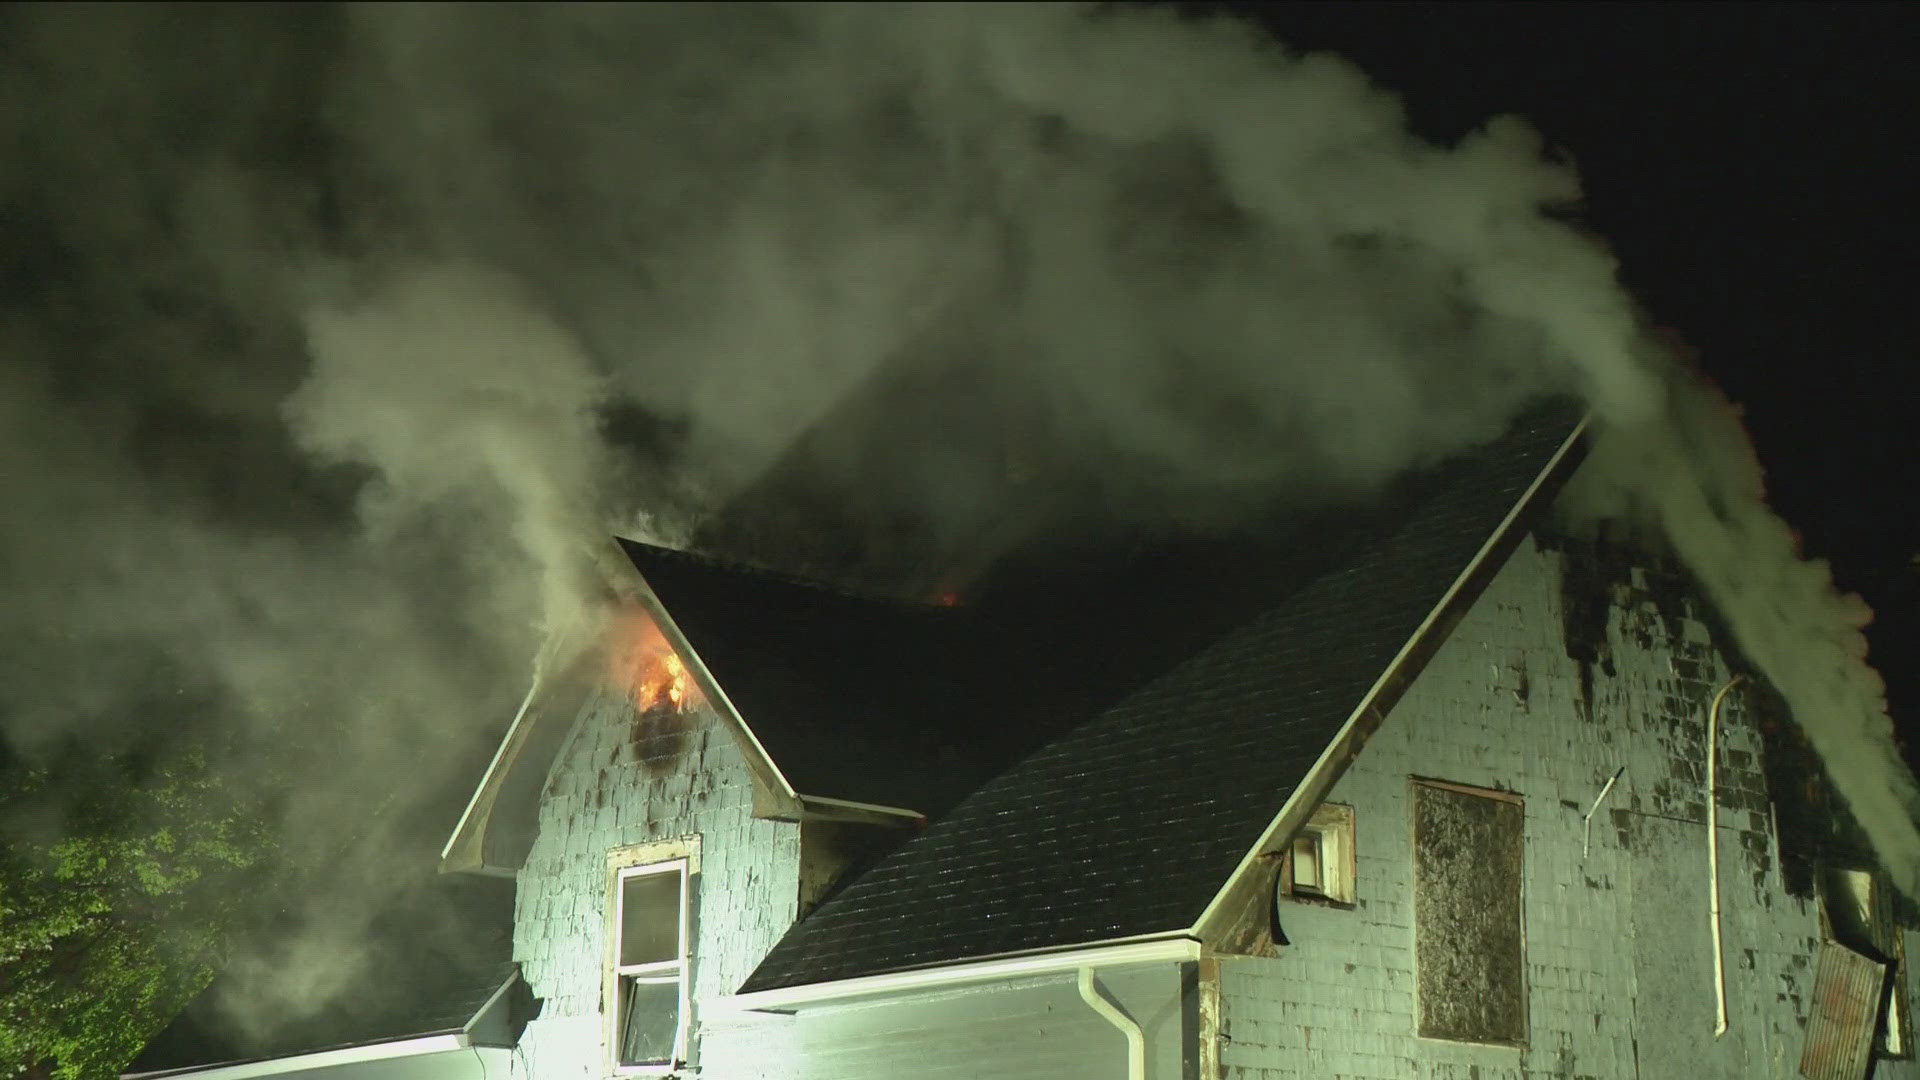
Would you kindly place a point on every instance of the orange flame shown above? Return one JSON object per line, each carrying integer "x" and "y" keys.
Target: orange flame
{"x": 641, "y": 662}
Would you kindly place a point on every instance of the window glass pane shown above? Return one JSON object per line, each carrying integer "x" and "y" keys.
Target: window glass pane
{"x": 1468, "y": 948}
{"x": 650, "y": 1014}
{"x": 1306, "y": 862}
{"x": 650, "y": 918}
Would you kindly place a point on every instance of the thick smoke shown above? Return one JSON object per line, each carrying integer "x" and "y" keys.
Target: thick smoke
{"x": 320, "y": 319}
{"x": 1692, "y": 475}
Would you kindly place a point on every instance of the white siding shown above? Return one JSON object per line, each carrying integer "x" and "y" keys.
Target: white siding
{"x": 1030, "y": 1029}
{"x": 1618, "y": 956}
{"x": 612, "y": 787}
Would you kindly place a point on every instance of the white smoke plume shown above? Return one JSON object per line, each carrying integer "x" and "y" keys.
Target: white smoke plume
{"x": 318, "y": 319}
{"x": 1691, "y": 473}
{"x": 455, "y": 388}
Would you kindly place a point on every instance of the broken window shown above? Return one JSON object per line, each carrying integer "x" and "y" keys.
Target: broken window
{"x": 1318, "y": 864}
{"x": 1856, "y": 911}
{"x": 1469, "y": 943}
{"x": 648, "y": 965}
{"x": 1847, "y": 990}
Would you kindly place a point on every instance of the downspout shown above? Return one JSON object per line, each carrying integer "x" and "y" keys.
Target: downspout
{"x": 1136, "y": 1039}
{"x": 1713, "y": 856}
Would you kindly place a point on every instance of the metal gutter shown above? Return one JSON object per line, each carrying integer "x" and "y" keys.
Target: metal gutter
{"x": 1346, "y": 743}
{"x": 324, "y": 1059}
{"x": 789, "y": 998}
{"x": 822, "y": 808}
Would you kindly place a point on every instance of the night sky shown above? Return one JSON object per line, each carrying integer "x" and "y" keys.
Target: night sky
{"x": 1753, "y": 167}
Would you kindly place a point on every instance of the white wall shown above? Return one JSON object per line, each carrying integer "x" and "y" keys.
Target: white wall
{"x": 610, "y": 788}
{"x": 1618, "y": 948}
{"x": 1028, "y": 1029}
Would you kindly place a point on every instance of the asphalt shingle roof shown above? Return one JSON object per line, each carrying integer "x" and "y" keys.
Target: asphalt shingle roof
{"x": 853, "y": 697}
{"x": 1129, "y": 824}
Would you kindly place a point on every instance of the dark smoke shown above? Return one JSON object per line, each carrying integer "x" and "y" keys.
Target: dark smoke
{"x": 319, "y": 321}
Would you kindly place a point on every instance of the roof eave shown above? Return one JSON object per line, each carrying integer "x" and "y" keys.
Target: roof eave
{"x": 472, "y": 1035}
{"x": 390, "y": 1050}
{"x": 1175, "y": 947}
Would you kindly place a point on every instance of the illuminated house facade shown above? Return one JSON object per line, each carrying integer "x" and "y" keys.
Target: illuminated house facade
{"x": 1425, "y": 797}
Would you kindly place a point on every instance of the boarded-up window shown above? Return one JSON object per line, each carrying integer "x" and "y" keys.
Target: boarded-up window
{"x": 1469, "y": 945}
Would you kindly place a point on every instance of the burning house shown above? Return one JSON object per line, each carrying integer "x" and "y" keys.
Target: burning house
{"x": 1418, "y": 788}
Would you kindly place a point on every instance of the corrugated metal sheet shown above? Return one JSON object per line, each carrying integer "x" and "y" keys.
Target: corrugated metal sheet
{"x": 1846, "y": 1011}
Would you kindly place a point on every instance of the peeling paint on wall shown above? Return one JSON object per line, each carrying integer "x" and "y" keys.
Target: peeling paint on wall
{"x": 625, "y": 779}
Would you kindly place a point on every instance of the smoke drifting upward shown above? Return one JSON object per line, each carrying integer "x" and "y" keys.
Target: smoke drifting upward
{"x": 1691, "y": 474}
{"x": 454, "y": 389}
{"x": 318, "y": 319}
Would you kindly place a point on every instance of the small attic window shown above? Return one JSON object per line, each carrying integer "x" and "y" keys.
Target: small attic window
{"x": 1317, "y": 866}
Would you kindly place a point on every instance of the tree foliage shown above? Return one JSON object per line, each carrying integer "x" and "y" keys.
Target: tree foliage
{"x": 117, "y": 878}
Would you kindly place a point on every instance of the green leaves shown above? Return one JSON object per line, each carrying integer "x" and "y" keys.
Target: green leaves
{"x": 109, "y": 929}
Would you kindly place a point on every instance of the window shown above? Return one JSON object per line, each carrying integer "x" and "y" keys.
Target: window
{"x": 647, "y": 963}
{"x": 1856, "y": 911}
{"x": 1318, "y": 864}
{"x": 1469, "y": 944}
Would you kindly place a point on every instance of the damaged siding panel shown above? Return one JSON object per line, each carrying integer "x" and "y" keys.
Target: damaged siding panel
{"x": 1846, "y": 1012}
{"x": 1469, "y": 944}
{"x": 623, "y": 781}
{"x": 1619, "y": 971}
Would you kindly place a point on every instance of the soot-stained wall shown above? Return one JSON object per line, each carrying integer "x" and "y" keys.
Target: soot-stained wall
{"x": 1551, "y": 683}
{"x": 623, "y": 780}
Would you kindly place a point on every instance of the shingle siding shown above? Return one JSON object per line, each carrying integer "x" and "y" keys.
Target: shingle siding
{"x": 616, "y": 784}
{"x": 1619, "y": 960}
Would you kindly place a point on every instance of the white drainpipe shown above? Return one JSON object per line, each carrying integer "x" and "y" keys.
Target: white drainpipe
{"x": 1713, "y": 857}
{"x": 1136, "y": 1039}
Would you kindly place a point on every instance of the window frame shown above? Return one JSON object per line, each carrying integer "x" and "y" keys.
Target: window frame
{"x": 1332, "y": 825}
{"x": 679, "y": 857}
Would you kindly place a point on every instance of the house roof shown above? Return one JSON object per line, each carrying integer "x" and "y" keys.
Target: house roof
{"x": 853, "y": 697}
{"x": 438, "y": 960}
{"x": 1074, "y": 845}
{"x": 915, "y": 706}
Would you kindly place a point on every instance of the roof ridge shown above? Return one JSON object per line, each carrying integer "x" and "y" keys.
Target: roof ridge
{"x": 1250, "y": 712}
{"x": 763, "y": 574}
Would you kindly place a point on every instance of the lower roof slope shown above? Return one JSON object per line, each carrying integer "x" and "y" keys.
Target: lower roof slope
{"x": 432, "y": 961}
{"x": 1130, "y": 824}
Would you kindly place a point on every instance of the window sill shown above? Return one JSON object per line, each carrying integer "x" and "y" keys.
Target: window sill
{"x": 1311, "y": 900}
